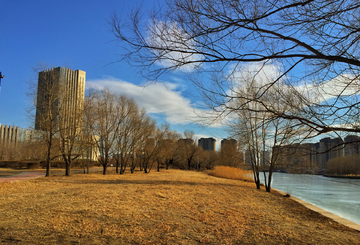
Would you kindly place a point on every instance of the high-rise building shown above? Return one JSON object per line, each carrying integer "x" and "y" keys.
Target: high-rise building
{"x": 60, "y": 98}
{"x": 208, "y": 144}
{"x": 229, "y": 143}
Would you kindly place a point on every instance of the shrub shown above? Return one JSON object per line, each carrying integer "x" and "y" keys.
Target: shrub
{"x": 231, "y": 173}
{"x": 343, "y": 165}
{"x": 33, "y": 165}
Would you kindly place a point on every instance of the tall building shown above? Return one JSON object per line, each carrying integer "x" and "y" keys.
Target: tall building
{"x": 229, "y": 143}
{"x": 208, "y": 144}
{"x": 261, "y": 158}
{"x": 60, "y": 98}
{"x": 319, "y": 153}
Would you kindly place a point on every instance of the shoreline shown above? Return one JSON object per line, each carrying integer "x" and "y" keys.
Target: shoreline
{"x": 341, "y": 176}
{"x": 314, "y": 208}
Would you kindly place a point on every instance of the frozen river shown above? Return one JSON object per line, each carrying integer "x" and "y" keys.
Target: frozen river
{"x": 338, "y": 196}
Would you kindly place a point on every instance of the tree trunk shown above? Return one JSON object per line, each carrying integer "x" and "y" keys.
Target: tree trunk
{"x": 158, "y": 166}
{"x": 48, "y": 164}
{"x": 268, "y": 186}
{"x": 168, "y": 163}
{"x": 68, "y": 168}
{"x": 258, "y": 184}
{"x": 257, "y": 179}
{"x": 123, "y": 167}
{"x": 117, "y": 166}
{"x": 104, "y": 169}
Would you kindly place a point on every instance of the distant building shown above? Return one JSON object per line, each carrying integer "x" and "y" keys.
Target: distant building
{"x": 186, "y": 141}
{"x": 15, "y": 135}
{"x": 352, "y": 145}
{"x": 318, "y": 154}
{"x": 208, "y": 144}
{"x": 257, "y": 158}
{"x": 229, "y": 143}
{"x": 61, "y": 93}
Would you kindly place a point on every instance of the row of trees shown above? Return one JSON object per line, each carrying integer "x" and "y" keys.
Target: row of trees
{"x": 108, "y": 127}
{"x": 346, "y": 165}
{"x": 283, "y": 71}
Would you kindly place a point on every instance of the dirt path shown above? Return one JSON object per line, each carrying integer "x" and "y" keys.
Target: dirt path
{"x": 22, "y": 176}
{"x": 33, "y": 175}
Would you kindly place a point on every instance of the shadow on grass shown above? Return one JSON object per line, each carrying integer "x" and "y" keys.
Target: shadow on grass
{"x": 152, "y": 182}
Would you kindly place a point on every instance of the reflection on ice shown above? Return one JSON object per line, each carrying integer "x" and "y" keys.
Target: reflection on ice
{"x": 338, "y": 196}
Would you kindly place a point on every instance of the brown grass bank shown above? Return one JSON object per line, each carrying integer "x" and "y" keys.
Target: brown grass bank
{"x": 231, "y": 173}
{"x": 169, "y": 207}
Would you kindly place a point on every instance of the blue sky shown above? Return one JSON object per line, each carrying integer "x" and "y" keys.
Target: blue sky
{"x": 75, "y": 34}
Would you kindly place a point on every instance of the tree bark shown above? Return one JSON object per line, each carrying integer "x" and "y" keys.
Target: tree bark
{"x": 117, "y": 166}
{"x": 68, "y": 168}
{"x": 48, "y": 164}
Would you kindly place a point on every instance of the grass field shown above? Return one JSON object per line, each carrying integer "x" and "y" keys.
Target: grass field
{"x": 167, "y": 207}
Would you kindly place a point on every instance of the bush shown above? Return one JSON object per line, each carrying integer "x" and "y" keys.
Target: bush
{"x": 13, "y": 164}
{"x": 231, "y": 173}
{"x": 33, "y": 165}
{"x": 343, "y": 165}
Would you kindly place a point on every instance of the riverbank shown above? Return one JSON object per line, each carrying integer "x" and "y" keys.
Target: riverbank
{"x": 342, "y": 176}
{"x": 321, "y": 211}
{"x": 181, "y": 207}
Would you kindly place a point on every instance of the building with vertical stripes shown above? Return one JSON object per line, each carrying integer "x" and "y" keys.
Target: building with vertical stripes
{"x": 208, "y": 144}
{"x": 60, "y": 98}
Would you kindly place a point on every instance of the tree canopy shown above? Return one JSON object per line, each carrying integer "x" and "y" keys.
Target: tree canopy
{"x": 309, "y": 48}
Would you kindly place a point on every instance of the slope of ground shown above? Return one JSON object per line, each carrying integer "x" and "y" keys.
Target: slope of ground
{"x": 167, "y": 207}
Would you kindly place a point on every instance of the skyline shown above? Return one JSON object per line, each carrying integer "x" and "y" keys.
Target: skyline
{"x": 76, "y": 35}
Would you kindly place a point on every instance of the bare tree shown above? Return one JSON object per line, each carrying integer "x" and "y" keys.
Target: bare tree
{"x": 49, "y": 108}
{"x": 124, "y": 140}
{"x": 105, "y": 118}
{"x": 163, "y": 137}
{"x": 73, "y": 143}
{"x": 311, "y": 46}
{"x": 169, "y": 148}
{"x": 187, "y": 150}
{"x": 262, "y": 133}
{"x": 209, "y": 159}
{"x": 230, "y": 156}
{"x": 142, "y": 142}
{"x": 149, "y": 144}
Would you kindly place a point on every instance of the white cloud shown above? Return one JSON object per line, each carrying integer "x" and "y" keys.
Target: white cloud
{"x": 167, "y": 36}
{"x": 157, "y": 98}
{"x": 343, "y": 85}
{"x": 262, "y": 75}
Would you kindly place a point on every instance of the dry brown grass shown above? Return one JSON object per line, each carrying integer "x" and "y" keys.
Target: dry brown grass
{"x": 167, "y": 207}
{"x": 231, "y": 173}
